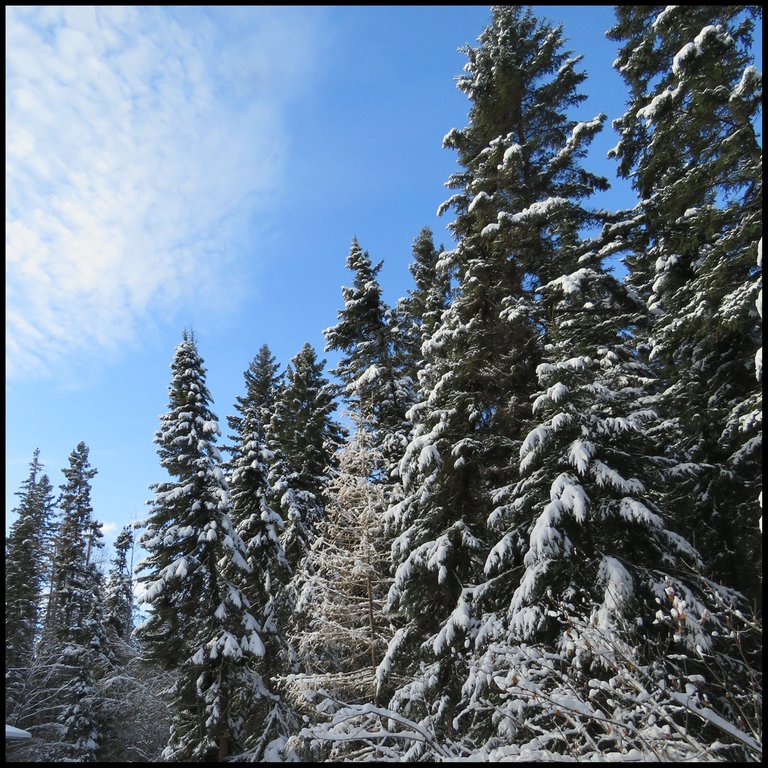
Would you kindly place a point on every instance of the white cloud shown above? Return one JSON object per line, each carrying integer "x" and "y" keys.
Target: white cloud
{"x": 138, "y": 143}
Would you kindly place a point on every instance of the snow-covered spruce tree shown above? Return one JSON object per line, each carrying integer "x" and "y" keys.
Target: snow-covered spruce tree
{"x": 376, "y": 385}
{"x": 199, "y": 623}
{"x": 689, "y": 144}
{"x": 583, "y": 525}
{"x": 418, "y": 313}
{"x": 303, "y": 436}
{"x": 27, "y": 565}
{"x": 518, "y": 217}
{"x": 73, "y": 650}
{"x": 74, "y": 575}
{"x": 27, "y": 568}
{"x": 585, "y": 535}
{"x": 259, "y": 527}
{"x": 262, "y": 379}
{"x": 118, "y": 604}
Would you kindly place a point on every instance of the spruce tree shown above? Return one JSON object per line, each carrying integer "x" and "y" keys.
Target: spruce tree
{"x": 119, "y": 600}
{"x": 518, "y": 217}
{"x": 375, "y": 385}
{"x": 73, "y": 650}
{"x": 418, "y": 314}
{"x": 74, "y": 578}
{"x": 586, "y": 525}
{"x": 262, "y": 378}
{"x": 304, "y": 436}
{"x": 26, "y": 564}
{"x": 199, "y": 623}
{"x": 689, "y": 144}
{"x": 260, "y": 527}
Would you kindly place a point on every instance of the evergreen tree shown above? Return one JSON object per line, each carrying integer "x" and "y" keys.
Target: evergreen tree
{"x": 73, "y": 649}
{"x": 585, "y": 527}
{"x": 304, "y": 437}
{"x": 259, "y": 527}
{"x": 119, "y": 599}
{"x": 262, "y": 379}
{"x": 74, "y": 579}
{"x": 689, "y": 144}
{"x": 376, "y": 387}
{"x": 518, "y": 220}
{"x": 26, "y": 564}
{"x": 199, "y": 623}
{"x": 419, "y": 313}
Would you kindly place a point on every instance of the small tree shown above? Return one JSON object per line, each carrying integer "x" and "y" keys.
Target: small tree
{"x": 343, "y": 633}
{"x": 119, "y": 599}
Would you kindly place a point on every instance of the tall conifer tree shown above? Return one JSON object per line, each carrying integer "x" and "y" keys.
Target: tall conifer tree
{"x": 518, "y": 217}
{"x": 260, "y": 527}
{"x": 199, "y": 623}
{"x": 375, "y": 384}
{"x": 74, "y": 650}
{"x": 418, "y": 314}
{"x": 689, "y": 144}
{"x": 74, "y": 575}
{"x": 304, "y": 437}
{"x": 262, "y": 379}
{"x": 27, "y": 564}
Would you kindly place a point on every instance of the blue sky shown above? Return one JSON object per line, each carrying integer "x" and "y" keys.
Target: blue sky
{"x": 207, "y": 167}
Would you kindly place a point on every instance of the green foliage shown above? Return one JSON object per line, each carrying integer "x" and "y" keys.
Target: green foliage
{"x": 375, "y": 377}
{"x": 26, "y": 564}
{"x": 689, "y": 144}
{"x": 199, "y": 624}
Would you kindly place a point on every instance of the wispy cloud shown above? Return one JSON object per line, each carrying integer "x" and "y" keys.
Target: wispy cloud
{"x": 138, "y": 143}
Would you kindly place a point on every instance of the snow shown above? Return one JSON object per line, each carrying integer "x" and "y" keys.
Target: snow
{"x": 635, "y": 511}
{"x": 691, "y": 703}
{"x": 557, "y": 392}
{"x": 688, "y": 50}
{"x": 546, "y": 542}
{"x": 618, "y": 590}
{"x": 571, "y": 495}
{"x": 477, "y": 199}
{"x": 450, "y": 137}
{"x": 458, "y": 620}
{"x": 695, "y": 49}
{"x": 660, "y": 19}
{"x": 580, "y": 453}
{"x": 748, "y": 76}
{"x": 536, "y": 210}
{"x": 429, "y": 455}
{"x": 650, "y": 111}
{"x": 512, "y": 152}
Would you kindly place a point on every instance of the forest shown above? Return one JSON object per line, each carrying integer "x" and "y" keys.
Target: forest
{"x": 520, "y": 520}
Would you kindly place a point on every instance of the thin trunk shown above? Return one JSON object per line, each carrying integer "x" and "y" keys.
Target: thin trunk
{"x": 373, "y": 637}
